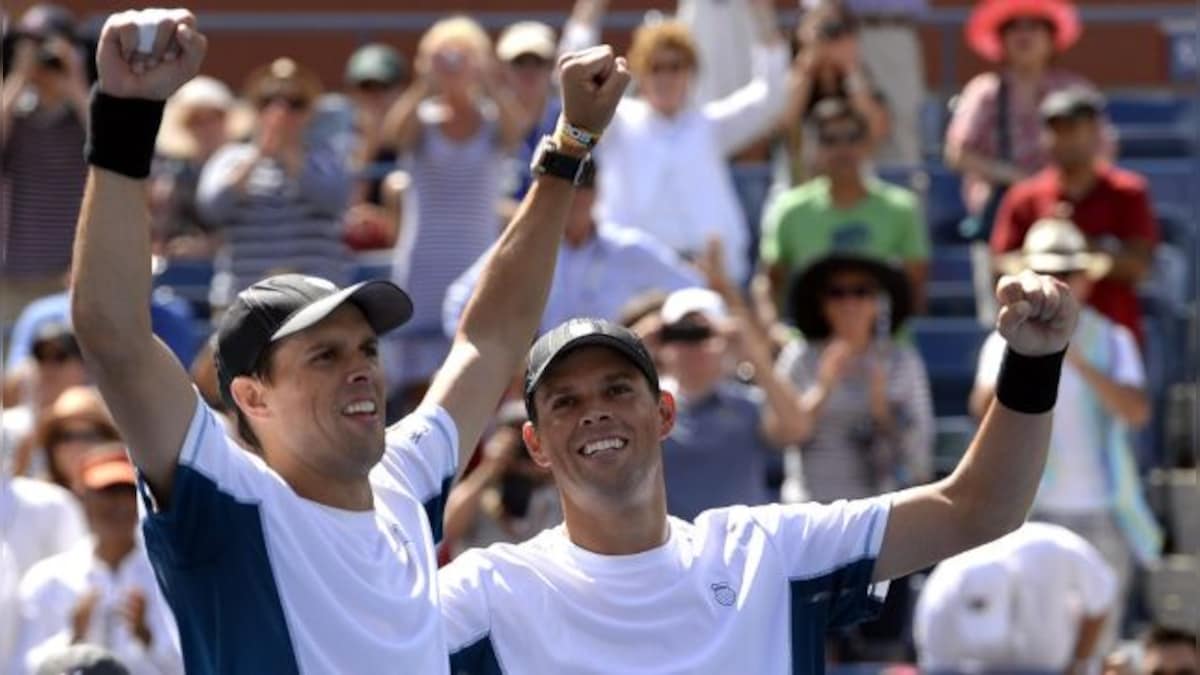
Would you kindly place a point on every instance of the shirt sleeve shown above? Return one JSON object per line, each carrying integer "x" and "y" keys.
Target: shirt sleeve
{"x": 990, "y": 357}
{"x": 772, "y": 249}
{"x": 465, "y": 615}
{"x": 420, "y": 461}
{"x": 974, "y": 115}
{"x": 915, "y": 245}
{"x": 1139, "y": 222}
{"x": 748, "y": 112}
{"x": 1094, "y": 579}
{"x": 829, "y": 553}
{"x": 216, "y": 195}
{"x": 1127, "y": 359}
{"x": 213, "y": 481}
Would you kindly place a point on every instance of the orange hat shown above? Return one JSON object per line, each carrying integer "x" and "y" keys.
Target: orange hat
{"x": 983, "y": 28}
{"x": 106, "y": 468}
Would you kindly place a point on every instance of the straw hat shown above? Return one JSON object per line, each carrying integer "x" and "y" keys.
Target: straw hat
{"x": 983, "y": 28}
{"x": 201, "y": 92}
{"x": 1055, "y": 246}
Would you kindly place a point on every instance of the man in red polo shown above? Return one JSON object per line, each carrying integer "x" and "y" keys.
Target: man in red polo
{"x": 1109, "y": 205}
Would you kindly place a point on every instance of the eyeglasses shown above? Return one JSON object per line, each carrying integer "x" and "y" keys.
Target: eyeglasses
{"x": 293, "y": 103}
{"x": 858, "y": 291}
{"x": 830, "y": 140}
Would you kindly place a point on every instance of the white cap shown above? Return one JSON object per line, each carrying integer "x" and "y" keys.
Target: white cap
{"x": 527, "y": 37}
{"x": 203, "y": 92}
{"x": 693, "y": 300}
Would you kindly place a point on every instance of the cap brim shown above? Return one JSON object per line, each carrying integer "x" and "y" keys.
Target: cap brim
{"x": 383, "y": 303}
{"x": 588, "y": 340}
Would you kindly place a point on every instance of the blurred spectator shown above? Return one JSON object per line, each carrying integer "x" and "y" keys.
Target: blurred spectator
{"x": 56, "y": 366}
{"x": 725, "y": 432}
{"x": 993, "y": 137}
{"x": 170, "y": 319}
{"x": 1169, "y": 651}
{"x": 277, "y": 201}
{"x": 1109, "y": 205}
{"x": 868, "y": 395}
{"x": 829, "y": 65}
{"x": 663, "y": 161}
{"x": 195, "y": 126}
{"x": 37, "y": 520}
{"x": 600, "y": 268}
{"x": 102, "y": 590}
{"x": 455, "y": 123}
{"x": 73, "y": 426}
{"x": 376, "y": 75}
{"x": 1091, "y": 483}
{"x": 527, "y": 51}
{"x": 1032, "y": 601}
{"x": 891, "y": 51}
{"x": 43, "y": 103}
{"x": 845, "y": 209}
{"x": 506, "y": 498}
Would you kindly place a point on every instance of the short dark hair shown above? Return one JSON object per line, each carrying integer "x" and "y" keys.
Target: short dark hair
{"x": 261, "y": 371}
{"x": 835, "y": 109}
{"x": 1165, "y": 636}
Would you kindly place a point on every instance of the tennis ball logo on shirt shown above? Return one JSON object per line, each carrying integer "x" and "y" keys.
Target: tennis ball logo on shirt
{"x": 724, "y": 594}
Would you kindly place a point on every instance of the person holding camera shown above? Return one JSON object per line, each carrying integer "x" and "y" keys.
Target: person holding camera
{"x": 726, "y": 432}
{"x": 43, "y": 103}
{"x": 453, "y": 125}
{"x": 506, "y": 498}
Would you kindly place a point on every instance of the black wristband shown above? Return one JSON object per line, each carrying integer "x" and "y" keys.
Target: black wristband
{"x": 122, "y": 132}
{"x": 1029, "y": 384}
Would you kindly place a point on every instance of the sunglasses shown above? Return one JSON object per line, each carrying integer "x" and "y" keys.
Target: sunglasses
{"x": 529, "y": 61}
{"x": 834, "y": 140}
{"x": 293, "y": 103}
{"x": 858, "y": 291}
{"x": 94, "y": 435}
{"x": 57, "y": 352}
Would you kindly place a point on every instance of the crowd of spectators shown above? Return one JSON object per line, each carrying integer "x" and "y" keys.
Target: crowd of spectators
{"x": 737, "y": 222}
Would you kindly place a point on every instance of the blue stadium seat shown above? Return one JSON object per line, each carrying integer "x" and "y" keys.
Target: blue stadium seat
{"x": 944, "y": 208}
{"x": 1149, "y": 109}
{"x": 188, "y": 280}
{"x": 950, "y": 348}
{"x": 950, "y": 291}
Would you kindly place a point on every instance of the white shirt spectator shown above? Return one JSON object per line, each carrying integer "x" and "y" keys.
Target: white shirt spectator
{"x": 1076, "y": 480}
{"x": 1015, "y": 603}
{"x": 670, "y": 177}
{"x": 37, "y": 520}
{"x": 722, "y": 30}
{"x": 740, "y": 590}
{"x": 51, "y": 590}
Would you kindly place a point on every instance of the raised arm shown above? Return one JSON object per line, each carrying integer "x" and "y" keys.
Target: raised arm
{"x": 502, "y": 316}
{"x": 143, "y": 384}
{"x": 991, "y": 490}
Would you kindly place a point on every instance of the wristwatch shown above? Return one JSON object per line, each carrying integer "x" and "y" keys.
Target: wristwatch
{"x": 548, "y": 160}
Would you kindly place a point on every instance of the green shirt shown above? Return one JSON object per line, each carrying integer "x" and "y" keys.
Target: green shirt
{"x": 803, "y": 225}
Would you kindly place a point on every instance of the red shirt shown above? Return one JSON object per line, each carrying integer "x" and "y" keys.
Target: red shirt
{"x": 1117, "y": 206}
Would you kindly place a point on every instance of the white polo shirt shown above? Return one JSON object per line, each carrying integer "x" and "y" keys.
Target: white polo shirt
{"x": 1015, "y": 603}
{"x": 741, "y": 590}
{"x": 262, "y": 580}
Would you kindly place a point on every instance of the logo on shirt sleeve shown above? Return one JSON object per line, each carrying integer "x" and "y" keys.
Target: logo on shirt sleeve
{"x": 724, "y": 594}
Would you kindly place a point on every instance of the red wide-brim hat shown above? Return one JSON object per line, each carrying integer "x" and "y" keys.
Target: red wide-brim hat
{"x": 983, "y": 28}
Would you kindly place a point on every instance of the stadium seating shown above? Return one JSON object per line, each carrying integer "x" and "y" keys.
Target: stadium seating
{"x": 950, "y": 348}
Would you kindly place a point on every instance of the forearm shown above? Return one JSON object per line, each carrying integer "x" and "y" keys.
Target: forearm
{"x": 1126, "y": 402}
{"x": 785, "y": 421}
{"x": 109, "y": 300}
{"x": 1090, "y": 629}
{"x": 10, "y": 95}
{"x": 401, "y": 124}
{"x": 462, "y": 506}
{"x": 1131, "y": 264}
{"x": 994, "y": 484}
{"x": 993, "y": 169}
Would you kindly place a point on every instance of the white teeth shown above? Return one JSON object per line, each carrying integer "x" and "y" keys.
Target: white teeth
{"x": 603, "y": 444}
{"x": 358, "y": 407}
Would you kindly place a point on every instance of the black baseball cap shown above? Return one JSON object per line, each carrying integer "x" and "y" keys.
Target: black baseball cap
{"x": 1072, "y": 102}
{"x": 286, "y": 304}
{"x": 576, "y": 333}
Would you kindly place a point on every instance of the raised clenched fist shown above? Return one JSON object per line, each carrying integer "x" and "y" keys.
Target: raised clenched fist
{"x": 149, "y": 53}
{"x": 1037, "y": 313}
{"x": 592, "y": 82}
